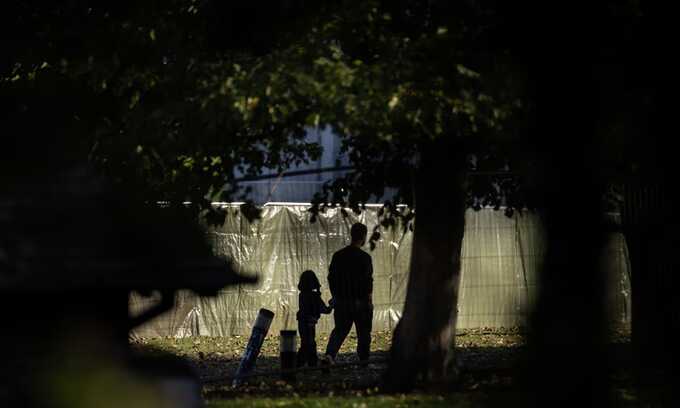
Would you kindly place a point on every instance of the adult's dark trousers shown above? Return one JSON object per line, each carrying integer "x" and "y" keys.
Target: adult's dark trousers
{"x": 347, "y": 313}
{"x": 307, "y": 352}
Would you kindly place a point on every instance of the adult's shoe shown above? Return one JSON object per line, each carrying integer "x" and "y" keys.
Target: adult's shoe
{"x": 326, "y": 362}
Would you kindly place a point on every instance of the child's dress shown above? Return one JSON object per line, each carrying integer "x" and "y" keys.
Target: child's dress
{"x": 310, "y": 308}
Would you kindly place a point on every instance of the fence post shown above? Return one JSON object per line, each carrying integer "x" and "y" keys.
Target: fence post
{"x": 257, "y": 336}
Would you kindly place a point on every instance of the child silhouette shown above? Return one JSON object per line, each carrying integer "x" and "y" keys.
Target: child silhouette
{"x": 310, "y": 308}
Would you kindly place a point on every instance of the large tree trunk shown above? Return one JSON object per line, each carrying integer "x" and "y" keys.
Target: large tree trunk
{"x": 568, "y": 365}
{"x": 650, "y": 228}
{"x": 569, "y": 326}
{"x": 643, "y": 217}
{"x": 651, "y": 201}
{"x": 423, "y": 341}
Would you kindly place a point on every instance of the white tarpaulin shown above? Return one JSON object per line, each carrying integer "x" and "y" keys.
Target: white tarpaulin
{"x": 500, "y": 259}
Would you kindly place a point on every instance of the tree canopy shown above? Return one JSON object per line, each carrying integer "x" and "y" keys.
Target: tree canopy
{"x": 169, "y": 99}
{"x": 134, "y": 88}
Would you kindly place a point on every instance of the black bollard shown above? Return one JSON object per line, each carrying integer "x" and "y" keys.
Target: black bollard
{"x": 287, "y": 348}
{"x": 260, "y": 329}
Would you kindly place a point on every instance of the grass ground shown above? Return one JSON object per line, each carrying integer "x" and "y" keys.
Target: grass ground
{"x": 220, "y": 356}
{"x": 379, "y": 401}
{"x": 487, "y": 355}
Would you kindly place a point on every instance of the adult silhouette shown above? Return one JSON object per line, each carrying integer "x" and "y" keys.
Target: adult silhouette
{"x": 350, "y": 279}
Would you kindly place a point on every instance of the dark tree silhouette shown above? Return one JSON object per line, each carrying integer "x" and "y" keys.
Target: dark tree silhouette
{"x": 649, "y": 195}
{"x": 571, "y": 75}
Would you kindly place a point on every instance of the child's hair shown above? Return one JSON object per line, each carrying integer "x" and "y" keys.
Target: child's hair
{"x": 308, "y": 281}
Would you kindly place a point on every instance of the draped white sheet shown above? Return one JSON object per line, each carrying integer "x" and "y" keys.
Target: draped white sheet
{"x": 500, "y": 259}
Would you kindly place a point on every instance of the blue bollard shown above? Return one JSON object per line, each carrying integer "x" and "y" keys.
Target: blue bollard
{"x": 260, "y": 329}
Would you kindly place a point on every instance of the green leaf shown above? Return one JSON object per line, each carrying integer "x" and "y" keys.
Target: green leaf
{"x": 466, "y": 71}
{"x": 134, "y": 100}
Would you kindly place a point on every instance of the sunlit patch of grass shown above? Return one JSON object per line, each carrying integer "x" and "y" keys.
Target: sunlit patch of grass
{"x": 378, "y": 401}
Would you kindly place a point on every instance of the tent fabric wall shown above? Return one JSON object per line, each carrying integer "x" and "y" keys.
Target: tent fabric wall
{"x": 500, "y": 259}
